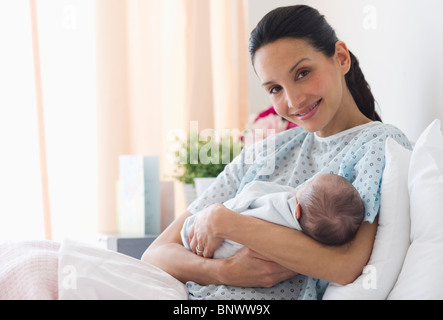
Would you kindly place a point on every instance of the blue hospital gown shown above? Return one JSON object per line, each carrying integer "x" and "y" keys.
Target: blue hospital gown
{"x": 292, "y": 158}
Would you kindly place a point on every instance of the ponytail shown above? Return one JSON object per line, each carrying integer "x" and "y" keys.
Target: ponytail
{"x": 304, "y": 22}
{"x": 360, "y": 90}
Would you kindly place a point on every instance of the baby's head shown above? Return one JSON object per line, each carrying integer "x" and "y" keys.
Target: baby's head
{"x": 329, "y": 209}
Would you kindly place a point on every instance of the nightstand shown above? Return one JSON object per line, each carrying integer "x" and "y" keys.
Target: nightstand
{"x": 131, "y": 246}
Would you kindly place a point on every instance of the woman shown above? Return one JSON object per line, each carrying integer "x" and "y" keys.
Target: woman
{"x": 314, "y": 81}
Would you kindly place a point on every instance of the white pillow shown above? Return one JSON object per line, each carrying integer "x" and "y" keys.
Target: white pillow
{"x": 422, "y": 273}
{"x": 392, "y": 238}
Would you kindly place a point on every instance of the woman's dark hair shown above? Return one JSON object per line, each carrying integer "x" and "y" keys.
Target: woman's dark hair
{"x": 307, "y": 23}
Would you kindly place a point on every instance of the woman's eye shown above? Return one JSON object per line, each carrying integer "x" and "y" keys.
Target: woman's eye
{"x": 274, "y": 90}
{"x": 302, "y": 74}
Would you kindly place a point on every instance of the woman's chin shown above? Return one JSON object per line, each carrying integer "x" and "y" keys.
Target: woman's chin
{"x": 310, "y": 126}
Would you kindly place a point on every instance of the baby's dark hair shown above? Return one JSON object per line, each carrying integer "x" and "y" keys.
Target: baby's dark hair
{"x": 332, "y": 210}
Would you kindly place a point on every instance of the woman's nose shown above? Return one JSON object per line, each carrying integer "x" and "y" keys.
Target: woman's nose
{"x": 294, "y": 99}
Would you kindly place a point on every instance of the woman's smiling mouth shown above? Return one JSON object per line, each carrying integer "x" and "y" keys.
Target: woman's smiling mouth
{"x": 308, "y": 112}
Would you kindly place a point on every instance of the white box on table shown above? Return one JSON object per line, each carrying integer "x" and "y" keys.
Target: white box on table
{"x": 139, "y": 195}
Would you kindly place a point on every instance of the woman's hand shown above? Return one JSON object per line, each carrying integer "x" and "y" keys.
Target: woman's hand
{"x": 247, "y": 268}
{"x": 202, "y": 234}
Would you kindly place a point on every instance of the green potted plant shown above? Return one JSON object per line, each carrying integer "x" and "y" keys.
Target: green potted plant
{"x": 201, "y": 158}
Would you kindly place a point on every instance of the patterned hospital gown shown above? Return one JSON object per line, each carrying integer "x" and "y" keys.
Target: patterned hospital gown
{"x": 292, "y": 158}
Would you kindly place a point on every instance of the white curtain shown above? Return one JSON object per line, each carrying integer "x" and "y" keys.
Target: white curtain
{"x": 21, "y": 213}
{"x": 161, "y": 65}
{"x": 110, "y": 77}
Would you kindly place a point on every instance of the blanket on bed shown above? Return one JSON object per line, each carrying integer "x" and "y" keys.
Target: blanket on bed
{"x": 46, "y": 270}
{"x": 28, "y": 270}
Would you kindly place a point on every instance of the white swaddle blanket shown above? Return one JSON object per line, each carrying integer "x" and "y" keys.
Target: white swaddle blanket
{"x": 263, "y": 200}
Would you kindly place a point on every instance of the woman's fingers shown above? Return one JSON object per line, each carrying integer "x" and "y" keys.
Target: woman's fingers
{"x": 191, "y": 234}
{"x": 197, "y": 243}
{"x": 202, "y": 239}
{"x": 193, "y": 243}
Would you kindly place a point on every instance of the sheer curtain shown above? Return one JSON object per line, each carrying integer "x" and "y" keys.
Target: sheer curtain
{"x": 48, "y": 120}
{"x": 21, "y": 211}
{"x": 116, "y": 77}
{"x": 162, "y": 64}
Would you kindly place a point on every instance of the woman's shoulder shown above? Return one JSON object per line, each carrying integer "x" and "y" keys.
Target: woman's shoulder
{"x": 278, "y": 140}
{"x": 374, "y": 132}
{"x": 378, "y": 132}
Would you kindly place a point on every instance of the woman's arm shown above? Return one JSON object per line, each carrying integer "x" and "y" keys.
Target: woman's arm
{"x": 245, "y": 268}
{"x": 290, "y": 248}
{"x": 168, "y": 253}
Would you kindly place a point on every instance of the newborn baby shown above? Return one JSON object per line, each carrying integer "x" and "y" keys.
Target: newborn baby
{"x": 328, "y": 208}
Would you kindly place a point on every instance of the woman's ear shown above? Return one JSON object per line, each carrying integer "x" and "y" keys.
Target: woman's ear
{"x": 342, "y": 56}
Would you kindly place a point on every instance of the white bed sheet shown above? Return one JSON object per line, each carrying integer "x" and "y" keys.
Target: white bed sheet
{"x": 89, "y": 272}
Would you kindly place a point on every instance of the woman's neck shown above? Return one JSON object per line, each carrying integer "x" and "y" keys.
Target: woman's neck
{"x": 347, "y": 116}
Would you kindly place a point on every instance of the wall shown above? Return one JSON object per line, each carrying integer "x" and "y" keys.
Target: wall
{"x": 399, "y": 45}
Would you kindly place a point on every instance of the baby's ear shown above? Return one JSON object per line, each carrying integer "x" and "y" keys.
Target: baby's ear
{"x": 298, "y": 211}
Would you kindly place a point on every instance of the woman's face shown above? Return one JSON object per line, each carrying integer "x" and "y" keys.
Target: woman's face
{"x": 305, "y": 86}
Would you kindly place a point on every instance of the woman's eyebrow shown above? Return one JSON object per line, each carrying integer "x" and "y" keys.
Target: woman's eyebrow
{"x": 290, "y": 71}
{"x": 267, "y": 83}
{"x": 296, "y": 65}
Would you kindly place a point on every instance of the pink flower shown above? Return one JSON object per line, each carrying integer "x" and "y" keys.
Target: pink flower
{"x": 291, "y": 125}
{"x": 271, "y": 111}
{"x": 266, "y": 123}
{"x": 265, "y": 113}
{"x": 269, "y": 123}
